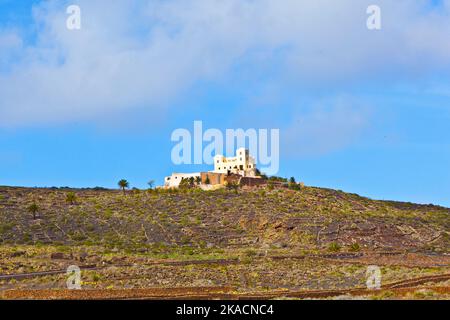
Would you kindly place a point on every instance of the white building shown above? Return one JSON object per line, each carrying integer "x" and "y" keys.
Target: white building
{"x": 175, "y": 179}
{"x": 242, "y": 164}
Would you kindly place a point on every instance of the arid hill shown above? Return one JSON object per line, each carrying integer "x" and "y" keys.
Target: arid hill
{"x": 310, "y": 219}
{"x": 227, "y": 244}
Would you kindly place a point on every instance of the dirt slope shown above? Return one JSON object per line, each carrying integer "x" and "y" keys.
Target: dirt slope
{"x": 312, "y": 218}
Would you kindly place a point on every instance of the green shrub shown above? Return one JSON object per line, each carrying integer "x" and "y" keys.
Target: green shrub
{"x": 250, "y": 253}
{"x": 71, "y": 198}
{"x": 355, "y": 247}
{"x": 233, "y": 186}
{"x": 108, "y": 213}
{"x": 246, "y": 260}
{"x": 6, "y": 227}
{"x": 184, "y": 221}
{"x": 26, "y": 237}
{"x": 334, "y": 247}
{"x": 96, "y": 277}
{"x": 78, "y": 237}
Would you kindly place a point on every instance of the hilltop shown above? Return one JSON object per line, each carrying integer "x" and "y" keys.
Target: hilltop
{"x": 311, "y": 218}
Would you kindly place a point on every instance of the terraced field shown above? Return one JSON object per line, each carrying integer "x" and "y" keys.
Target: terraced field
{"x": 250, "y": 243}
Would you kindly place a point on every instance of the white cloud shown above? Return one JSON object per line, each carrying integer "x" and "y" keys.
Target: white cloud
{"x": 134, "y": 54}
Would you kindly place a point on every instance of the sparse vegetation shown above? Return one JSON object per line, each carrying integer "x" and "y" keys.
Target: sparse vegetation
{"x": 354, "y": 247}
{"x": 334, "y": 247}
{"x": 234, "y": 186}
{"x": 293, "y": 184}
{"x": 267, "y": 238}
{"x": 186, "y": 184}
{"x": 343, "y": 218}
{"x": 278, "y": 179}
{"x": 71, "y": 198}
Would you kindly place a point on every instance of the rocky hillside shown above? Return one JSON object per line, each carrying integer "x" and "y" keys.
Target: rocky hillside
{"x": 310, "y": 219}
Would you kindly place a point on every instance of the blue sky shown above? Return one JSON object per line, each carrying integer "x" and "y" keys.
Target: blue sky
{"x": 362, "y": 111}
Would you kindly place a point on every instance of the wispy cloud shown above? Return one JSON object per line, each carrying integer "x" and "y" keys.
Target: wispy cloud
{"x": 134, "y": 54}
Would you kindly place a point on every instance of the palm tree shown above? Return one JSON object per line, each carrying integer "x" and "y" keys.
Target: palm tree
{"x": 71, "y": 198}
{"x": 151, "y": 184}
{"x": 33, "y": 208}
{"x": 123, "y": 184}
